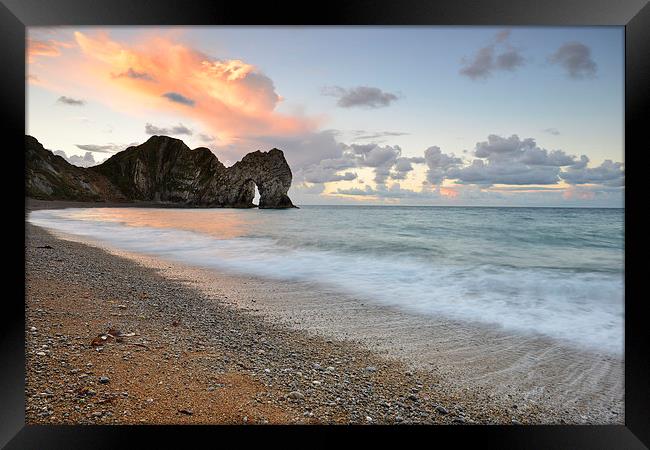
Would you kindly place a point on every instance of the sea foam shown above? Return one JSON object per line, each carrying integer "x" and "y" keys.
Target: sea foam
{"x": 581, "y": 307}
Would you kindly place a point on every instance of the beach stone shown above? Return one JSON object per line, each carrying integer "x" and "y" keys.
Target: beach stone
{"x": 296, "y": 395}
{"x": 442, "y": 410}
{"x": 104, "y": 379}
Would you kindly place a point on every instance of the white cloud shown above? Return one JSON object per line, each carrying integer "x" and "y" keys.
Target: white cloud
{"x": 87, "y": 160}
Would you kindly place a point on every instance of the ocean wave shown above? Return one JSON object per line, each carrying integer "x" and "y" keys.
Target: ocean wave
{"x": 581, "y": 307}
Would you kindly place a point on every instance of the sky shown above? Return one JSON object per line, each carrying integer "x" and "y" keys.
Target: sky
{"x": 480, "y": 116}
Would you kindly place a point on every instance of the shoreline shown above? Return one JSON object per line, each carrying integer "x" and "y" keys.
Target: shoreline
{"x": 32, "y": 204}
{"x": 413, "y": 390}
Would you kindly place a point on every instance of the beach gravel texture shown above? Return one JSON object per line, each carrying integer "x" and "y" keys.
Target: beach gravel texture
{"x": 109, "y": 341}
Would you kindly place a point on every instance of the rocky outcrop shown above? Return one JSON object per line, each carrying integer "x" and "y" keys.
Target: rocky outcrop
{"x": 50, "y": 177}
{"x": 163, "y": 169}
{"x": 268, "y": 170}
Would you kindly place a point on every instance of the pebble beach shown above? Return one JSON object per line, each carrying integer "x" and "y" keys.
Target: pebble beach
{"x": 120, "y": 339}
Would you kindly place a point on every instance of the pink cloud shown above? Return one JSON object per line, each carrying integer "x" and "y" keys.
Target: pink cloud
{"x": 49, "y": 47}
{"x": 448, "y": 192}
{"x": 575, "y": 193}
{"x": 231, "y": 98}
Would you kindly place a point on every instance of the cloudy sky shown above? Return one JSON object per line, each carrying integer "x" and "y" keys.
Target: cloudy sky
{"x": 367, "y": 115}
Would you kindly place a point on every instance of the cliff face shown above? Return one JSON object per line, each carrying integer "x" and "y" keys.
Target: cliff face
{"x": 50, "y": 177}
{"x": 163, "y": 169}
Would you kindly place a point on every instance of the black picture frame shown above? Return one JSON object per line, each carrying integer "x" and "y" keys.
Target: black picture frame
{"x": 634, "y": 15}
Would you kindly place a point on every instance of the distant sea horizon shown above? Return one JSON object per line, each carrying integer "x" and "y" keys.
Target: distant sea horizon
{"x": 458, "y": 206}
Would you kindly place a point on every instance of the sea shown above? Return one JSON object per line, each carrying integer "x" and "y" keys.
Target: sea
{"x": 553, "y": 272}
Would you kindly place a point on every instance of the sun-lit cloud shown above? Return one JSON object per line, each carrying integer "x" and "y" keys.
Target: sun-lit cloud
{"x": 448, "y": 192}
{"x": 577, "y": 193}
{"x": 231, "y": 99}
{"x": 44, "y": 47}
{"x": 41, "y": 48}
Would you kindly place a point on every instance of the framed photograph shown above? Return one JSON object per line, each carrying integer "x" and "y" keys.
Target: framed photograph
{"x": 367, "y": 217}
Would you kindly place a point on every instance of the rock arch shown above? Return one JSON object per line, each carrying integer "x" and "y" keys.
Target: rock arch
{"x": 272, "y": 175}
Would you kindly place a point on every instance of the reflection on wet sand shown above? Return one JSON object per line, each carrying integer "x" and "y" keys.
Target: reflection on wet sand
{"x": 230, "y": 223}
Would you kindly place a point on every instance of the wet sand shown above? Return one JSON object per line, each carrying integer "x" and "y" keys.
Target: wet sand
{"x": 426, "y": 370}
